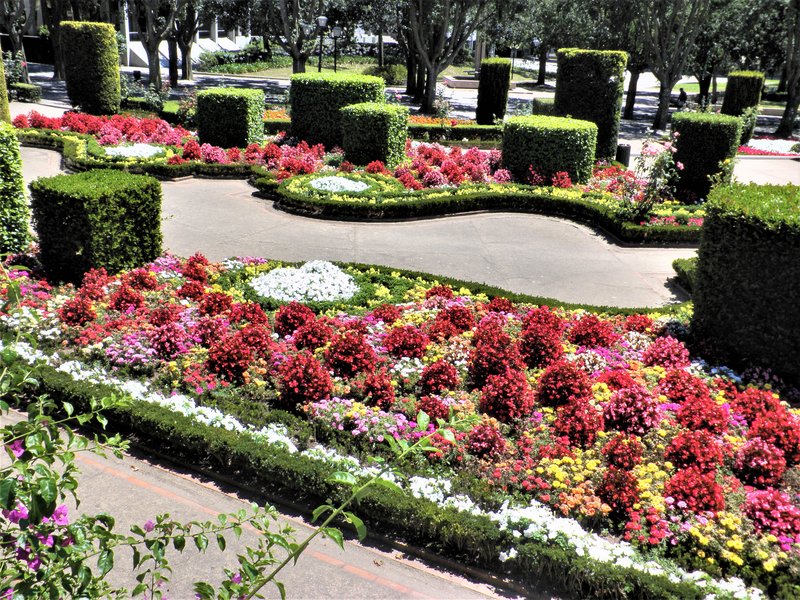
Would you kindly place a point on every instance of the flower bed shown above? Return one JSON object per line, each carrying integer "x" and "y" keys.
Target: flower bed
{"x": 768, "y": 146}
{"x": 582, "y": 424}
{"x": 448, "y": 179}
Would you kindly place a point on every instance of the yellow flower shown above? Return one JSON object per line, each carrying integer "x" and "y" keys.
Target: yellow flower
{"x": 769, "y": 565}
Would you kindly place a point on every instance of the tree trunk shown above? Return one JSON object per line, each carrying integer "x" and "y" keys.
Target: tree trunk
{"x": 298, "y": 64}
{"x": 172, "y": 45}
{"x": 782, "y": 81}
{"x": 17, "y": 47}
{"x": 380, "y": 47}
{"x": 153, "y": 65}
{"x": 430, "y": 90}
{"x": 411, "y": 74}
{"x": 714, "y": 95}
{"x": 705, "y": 84}
{"x": 662, "y": 113}
{"x": 419, "y": 92}
{"x": 630, "y": 99}
{"x": 58, "y": 59}
{"x": 187, "y": 71}
{"x": 786, "y": 127}
{"x": 542, "y": 67}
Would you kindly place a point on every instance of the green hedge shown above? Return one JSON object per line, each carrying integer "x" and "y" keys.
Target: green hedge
{"x": 432, "y": 132}
{"x": 493, "y": 87}
{"x": 748, "y": 277}
{"x": 742, "y": 91}
{"x": 374, "y": 131}
{"x": 13, "y": 205}
{"x": 230, "y": 117}
{"x": 686, "y": 271}
{"x": 99, "y": 218}
{"x": 91, "y": 66}
{"x": 317, "y": 97}
{"x": 27, "y": 92}
{"x": 5, "y": 112}
{"x": 705, "y": 141}
{"x": 433, "y": 203}
{"x": 391, "y": 74}
{"x": 550, "y": 145}
{"x": 589, "y": 86}
{"x": 543, "y": 106}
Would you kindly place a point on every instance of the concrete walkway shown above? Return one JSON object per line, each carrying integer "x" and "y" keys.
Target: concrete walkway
{"x": 530, "y": 254}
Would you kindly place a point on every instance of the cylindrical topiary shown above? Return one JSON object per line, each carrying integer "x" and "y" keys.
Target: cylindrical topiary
{"x": 549, "y": 145}
{"x": 91, "y": 66}
{"x": 13, "y": 206}
{"x": 230, "y": 117}
{"x": 5, "y": 113}
{"x": 589, "y": 86}
{"x": 316, "y": 98}
{"x": 374, "y": 131}
{"x": 742, "y": 91}
{"x": 99, "y": 218}
{"x": 493, "y": 87}
{"x": 705, "y": 141}
{"x": 748, "y": 277}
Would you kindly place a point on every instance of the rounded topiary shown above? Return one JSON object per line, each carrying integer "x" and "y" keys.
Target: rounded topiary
{"x": 5, "y": 113}
{"x": 230, "y": 117}
{"x": 91, "y": 66}
{"x": 493, "y": 87}
{"x": 316, "y": 100}
{"x": 705, "y": 141}
{"x": 13, "y": 206}
{"x": 742, "y": 91}
{"x": 589, "y": 86}
{"x": 550, "y": 145}
{"x": 374, "y": 131}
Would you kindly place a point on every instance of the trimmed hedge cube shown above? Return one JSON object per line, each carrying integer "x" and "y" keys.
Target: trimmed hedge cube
{"x": 589, "y": 86}
{"x": 748, "y": 277}
{"x": 543, "y": 106}
{"x": 374, "y": 131}
{"x": 705, "y": 141}
{"x": 99, "y": 218}
{"x": 5, "y": 111}
{"x": 742, "y": 91}
{"x": 91, "y": 66}
{"x": 230, "y": 117}
{"x": 549, "y": 145}
{"x": 493, "y": 90}
{"x": 27, "y": 92}
{"x": 13, "y": 206}
{"x": 316, "y": 100}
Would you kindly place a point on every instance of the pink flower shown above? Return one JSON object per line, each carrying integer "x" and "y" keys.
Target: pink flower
{"x": 16, "y": 447}
{"x": 679, "y": 165}
{"x": 236, "y": 578}
{"x": 149, "y": 525}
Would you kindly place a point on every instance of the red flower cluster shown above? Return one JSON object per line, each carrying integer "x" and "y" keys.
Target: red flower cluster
{"x": 618, "y": 489}
{"x": 406, "y": 341}
{"x": 759, "y": 463}
{"x": 666, "y": 352}
{"x": 379, "y": 390}
{"x": 781, "y": 429}
{"x": 695, "y": 449}
{"x": 506, "y": 396}
{"x": 437, "y": 377}
{"x": 126, "y": 299}
{"x": 563, "y": 382}
{"x": 434, "y": 407}
{"x": 486, "y": 441}
{"x": 623, "y": 451}
{"x": 290, "y": 317}
{"x": 579, "y": 421}
{"x": 349, "y": 354}
{"x": 312, "y": 334}
{"x": 592, "y": 332}
{"x": 229, "y": 358}
{"x": 632, "y": 410}
{"x": 697, "y": 488}
{"x": 492, "y": 350}
{"x": 772, "y": 512}
{"x": 77, "y": 311}
{"x": 302, "y": 379}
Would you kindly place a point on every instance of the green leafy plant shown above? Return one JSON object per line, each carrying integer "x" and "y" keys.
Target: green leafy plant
{"x": 91, "y": 66}
{"x": 374, "y": 131}
{"x": 230, "y": 117}
{"x": 14, "y": 213}
{"x": 493, "y": 87}
{"x": 742, "y": 91}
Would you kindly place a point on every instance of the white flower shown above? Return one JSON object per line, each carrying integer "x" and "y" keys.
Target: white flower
{"x": 135, "y": 151}
{"x": 338, "y": 184}
{"x": 317, "y": 281}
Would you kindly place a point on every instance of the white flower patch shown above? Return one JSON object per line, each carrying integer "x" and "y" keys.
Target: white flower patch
{"x": 137, "y": 150}
{"x": 337, "y": 184}
{"x": 782, "y": 146}
{"x": 315, "y": 281}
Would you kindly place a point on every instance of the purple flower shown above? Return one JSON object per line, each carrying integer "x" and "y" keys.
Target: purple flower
{"x": 16, "y": 447}
{"x": 149, "y": 525}
{"x": 237, "y": 578}
{"x": 60, "y": 515}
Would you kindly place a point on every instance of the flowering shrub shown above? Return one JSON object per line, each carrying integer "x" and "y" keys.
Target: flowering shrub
{"x": 77, "y": 311}
{"x": 229, "y": 358}
{"x": 540, "y": 346}
{"x": 773, "y": 511}
{"x": 302, "y": 379}
{"x": 666, "y": 352}
{"x": 697, "y": 489}
{"x": 349, "y": 354}
{"x": 506, "y": 396}
{"x": 579, "y": 421}
{"x": 695, "y": 448}
{"x": 759, "y": 463}
{"x": 623, "y": 451}
{"x": 561, "y": 383}
{"x": 782, "y": 430}
{"x": 632, "y": 410}
{"x": 379, "y": 390}
{"x": 619, "y": 491}
{"x": 592, "y": 332}
{"x": 290, "y": 317}
{"x": 438, "y": 377}
{"x": 486, "y": 441}
{"x": 406, "y": 341}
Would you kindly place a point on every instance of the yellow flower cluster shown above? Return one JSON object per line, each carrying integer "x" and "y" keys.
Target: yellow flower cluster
{"x": 567, "y": 472}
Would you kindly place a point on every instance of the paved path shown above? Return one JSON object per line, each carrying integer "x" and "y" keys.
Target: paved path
{"x": 134, "y": 490}
{"x": 531, "y": 254}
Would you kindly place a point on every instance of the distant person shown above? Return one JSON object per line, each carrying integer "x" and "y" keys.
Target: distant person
{"x": 682, "y": 98}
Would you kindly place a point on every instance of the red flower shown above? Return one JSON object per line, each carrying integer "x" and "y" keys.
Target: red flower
{"x": 506, "y": 396}
{"x": 781, "y": 429}
{"x": 379, "y": 390}
{"x": 437, "y": 377}
{"x": 702, "y": 412}
{"x": 434, "y": 407}
{"x": 215, "y": 303}
{"x": 623, "y": 451}
{"x": 632, "y": 410}
{"x": 388, "y": 313}
{"x": 406, "y": 341}
{"x": 290, "y": 317}
{"x": 302, "y": 379}
{"x": 666, "y": 352}
{"x": 759, "y": 463}
{"x": 695, "y": 449}
{"x": 540, "y": 346}
{"x": 312, "y": 334}
{"x": 349, "y": 354}
{"x": 697, "y": 488}
{"x": 561, "y": 180}
{"x": 126, "y": 299}
{"x": 563, "y": 382}
{"x": 229, "y": 358}
{"x": 618, "y": 489}
{"x": 77, "y": 311}
{"x": 578, "y": 421}
{"x": 486, "y": 441}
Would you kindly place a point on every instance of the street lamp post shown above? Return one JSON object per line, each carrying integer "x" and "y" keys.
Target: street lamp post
{"x": 322, "y": 21}
{"x": 308, "y": 30}
{"x": 336, "y": 32}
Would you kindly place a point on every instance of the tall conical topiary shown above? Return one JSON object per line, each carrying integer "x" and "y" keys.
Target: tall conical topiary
{"x": 91, "y": 66}
{"x": 493, "y": 90}
{"x": 5, "y": 113}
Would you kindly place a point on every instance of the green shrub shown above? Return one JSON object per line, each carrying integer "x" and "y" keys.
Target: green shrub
{"x": 705, "y": 141}
{"x": 5, "y": 112}
{"x": 549, "y": 145}
{"x": 91, "y": 66}
{"x": 748, "y": 277}
{"x": 230, "y": 117}
{"x": 13, "y": 206}
{"x": 686, "y": 271}
{"x": 543, "y": 106}
{"x": 742, "y": 91}
{"x": 374, "y": 131}
{"x": 391, "y": 74}
{"x": 749, "y": 119}
{"x": 589, "y": 86}
{"x": 99, "y": 218}
{"x": 27, "y": 92}
{"x": 493, "y": 90}
{"x": 317, "y": 97}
